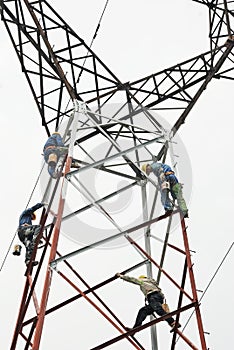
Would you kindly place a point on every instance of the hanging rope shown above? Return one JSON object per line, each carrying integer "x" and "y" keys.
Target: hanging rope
{"x": 94, "y": 37}
{"x": 3, "y": 263}
{"x": 208, "y": 285}
{"x": 30, "y": 197}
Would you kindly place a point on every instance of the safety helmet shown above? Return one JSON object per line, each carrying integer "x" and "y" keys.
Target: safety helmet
{"x": 144, "y": 166}
{"x": 56, "y": 133}
{"x": 33, "y": 216}
{"x": 142, "y": 277}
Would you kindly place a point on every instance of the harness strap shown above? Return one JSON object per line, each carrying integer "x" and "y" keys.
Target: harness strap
{"x": 50, "y": 147}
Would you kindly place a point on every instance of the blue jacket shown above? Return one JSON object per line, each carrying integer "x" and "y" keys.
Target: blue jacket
{"x": 159, "y": 168}
{"x": 54, "y": 140}
{"x": 25, "y": 217}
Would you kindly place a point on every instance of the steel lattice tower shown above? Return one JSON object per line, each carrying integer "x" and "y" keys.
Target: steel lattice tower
{"x": 74, "y": 98}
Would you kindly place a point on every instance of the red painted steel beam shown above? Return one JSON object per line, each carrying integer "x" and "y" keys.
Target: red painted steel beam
{"x": 97, "y": 286}
{"x": 26, "y": 294}
{"x": 98, "y": 309}
{"x": 158, "y": 266}
{"x": 193, "y": 285}
{"x": 186, "y": 340}
{"x": 48, "y": 277}
{"x": 180, "y": 302}
{"x": 140, "y": 328}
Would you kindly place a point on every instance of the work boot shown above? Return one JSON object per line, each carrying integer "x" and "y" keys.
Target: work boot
{"x": 168, "y": 211}
{"x": 174, "y": 326}
{"x": 184, "y": 214}
{"x": 34, "y": 263}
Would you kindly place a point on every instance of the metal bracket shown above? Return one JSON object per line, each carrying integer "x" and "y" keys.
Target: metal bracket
{"x": 142, "y": 182}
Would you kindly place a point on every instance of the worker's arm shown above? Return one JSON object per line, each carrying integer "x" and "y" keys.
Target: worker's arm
{"x": 36, "y": 207}
{"x": 129, "y": 279}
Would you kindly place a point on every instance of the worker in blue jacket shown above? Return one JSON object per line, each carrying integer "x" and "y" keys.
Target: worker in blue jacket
{"x": 168, "y": 183}
{"x": 28, "y": 232}
{"x": 54, "y": 148}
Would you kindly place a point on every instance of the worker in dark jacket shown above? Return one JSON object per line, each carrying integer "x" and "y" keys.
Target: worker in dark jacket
{"x": 28, "y": 232}
{"x": 168, "y": 183}
{"x": 155, "y": 298}
{"x": 54, "y": 148}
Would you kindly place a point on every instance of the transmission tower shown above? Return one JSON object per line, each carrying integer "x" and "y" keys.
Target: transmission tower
{"x": 78, "y": 95}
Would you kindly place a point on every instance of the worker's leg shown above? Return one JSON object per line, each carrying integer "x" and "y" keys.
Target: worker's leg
{"x": 29, "y": 245}
{"x": 24, "y": 234}
{"x": 178, "y": 194}
{"x": 142, "y": 314}
{"x": 166, "y": 200}
{"x": 155, "y": 301}
{"x": 36, "y": 230}
{"x": 30, "y": 241}
{"x": 21, "y": 234}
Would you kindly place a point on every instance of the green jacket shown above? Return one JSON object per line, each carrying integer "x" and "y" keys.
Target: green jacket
{"x": 147, "y": 285}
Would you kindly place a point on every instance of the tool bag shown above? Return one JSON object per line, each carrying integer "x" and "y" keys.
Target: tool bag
{"x": 52, "y": 160}
{"x": 17, "y": 249}
{"x": 165, "y": 307}
{"x": 165, "y": 185}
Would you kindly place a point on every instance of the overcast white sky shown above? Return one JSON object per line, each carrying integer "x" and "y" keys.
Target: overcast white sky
{"x": 135, "y": 39}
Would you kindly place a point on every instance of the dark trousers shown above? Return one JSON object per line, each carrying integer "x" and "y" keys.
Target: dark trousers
{"x": 155, "y": 301}
{"x": 28, "y": 235}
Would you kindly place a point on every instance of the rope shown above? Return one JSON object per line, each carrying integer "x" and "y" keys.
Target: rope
{"x": 208, "y": 285}
{"x": 30, "y": 197}
{"x": 94, "y": 37}
{"x": 4, "y": 260}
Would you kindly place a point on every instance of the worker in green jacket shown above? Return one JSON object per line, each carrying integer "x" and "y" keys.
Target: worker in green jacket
{"x": 154, "y": 297}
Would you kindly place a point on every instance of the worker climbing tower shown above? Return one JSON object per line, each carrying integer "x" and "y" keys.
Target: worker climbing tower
{"x": 108, "y": 202}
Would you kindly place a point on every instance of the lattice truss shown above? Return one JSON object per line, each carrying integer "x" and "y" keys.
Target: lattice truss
{"x": 110, "y": 140}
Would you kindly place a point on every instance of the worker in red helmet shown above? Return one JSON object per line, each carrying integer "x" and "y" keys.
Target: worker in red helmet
{"x": 154, "y": 298}
{"x": 54, "y": 148}
{"x": 28, "y": 232}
